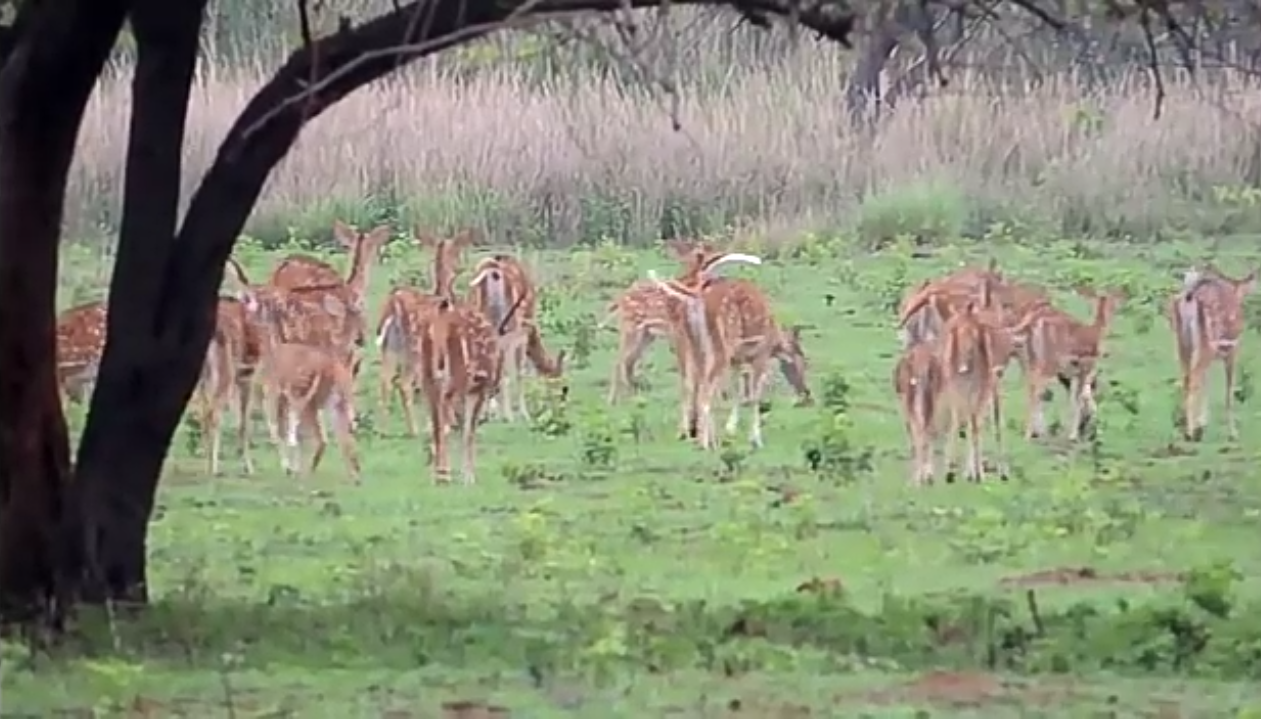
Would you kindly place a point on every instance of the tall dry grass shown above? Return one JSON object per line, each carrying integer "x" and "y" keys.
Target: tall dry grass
{"x": 564, "y": 161}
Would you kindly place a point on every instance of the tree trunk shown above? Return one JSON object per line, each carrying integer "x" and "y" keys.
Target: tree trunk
{"x": 44, "y": 87}
{"x": 126, "y": 438}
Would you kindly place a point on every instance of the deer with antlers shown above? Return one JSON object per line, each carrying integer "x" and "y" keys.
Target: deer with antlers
{"x": 707, "y": 338}
{"x": 499, "y": 283}
{"x": 80, "y": 341}
{"x": 408, "y": 306}
{"x": 1056, "y": 345}
{"x": 1207, "y": 318}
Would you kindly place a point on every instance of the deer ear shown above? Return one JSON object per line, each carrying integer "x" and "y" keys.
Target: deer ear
{"x": 344, "y": 235}
{"x": 378, "y": 237}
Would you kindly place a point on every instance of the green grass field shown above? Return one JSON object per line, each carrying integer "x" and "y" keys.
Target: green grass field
{"x": 601, "y": 567}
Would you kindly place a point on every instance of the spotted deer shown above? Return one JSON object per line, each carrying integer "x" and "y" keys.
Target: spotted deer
{"x": 302, "y": 385}
{"x": 1056, "y": 345}
{"x": 80, "y": 341}
{"x": 927, "y": 308}
{"x": 644, "y": 313}
{"x": 460, "y": 359}
{"x": 919, "y": 379}
{"x": 327, "y": 316}
{"x": 408, "y": 302}
{"x": 499, "y": 283}
{"x": 228, "y": 373}
{"x": 707, "y": 338}
{"x": 1207, "y": 317}
{"x": 306, "y": 271}
{"x": 971, "y": 350}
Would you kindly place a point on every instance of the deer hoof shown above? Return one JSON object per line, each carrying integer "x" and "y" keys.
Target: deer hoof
{"x": 951, "y": 477}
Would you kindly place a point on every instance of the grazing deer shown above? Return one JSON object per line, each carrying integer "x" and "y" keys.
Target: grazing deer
{"x": 80, "y": 341}
{"x": 301, "y": 384}
{"x": 759, "y": 341}
{"x": 706, "y": 339}
{"x": 644, "y": 313}
{"x": 919, "y": 379}
{"x": 500, "y": 283}
{"x": 1208, "y": 321}
{"x": 231, "y": 361}
{"x": 392, "y": 340}
{"x": 306, "y": 271}
{"x": 1056, "y": 345}
{"x": 971, "y": 350}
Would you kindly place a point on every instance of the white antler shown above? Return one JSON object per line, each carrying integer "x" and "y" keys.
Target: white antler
{"x": 731, "y": 257}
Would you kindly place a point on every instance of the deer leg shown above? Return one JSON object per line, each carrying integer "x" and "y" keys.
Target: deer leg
{"x": 438, "y": 418}
{"x": 755, "y": 386}
{"x": 1035, "y": 426}
{"x": 472, "y": 408}
{"x": 631, "y": 346}
{"x": 738, "y": 395}
{"x": 1197, "y": 399}
{"x": 346, "y": 441}
{"x": 244, "y": 385}
{"x": 386, "y": 383}
{"x": 952, "y": 440}
{"x": 1228, "y": 367}
{"x": 976, "y": 464}
{"x": 1000, "y": 452}
{"x": 311, "y": 421}
{"x": 519, "y": 359}
{"x": 293, "y": 437}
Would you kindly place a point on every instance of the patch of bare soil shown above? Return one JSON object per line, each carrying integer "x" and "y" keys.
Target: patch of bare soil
{"x": 472, "y": 710}
{"x": 1087, "y": 575}
{"x": 967, "y": 690}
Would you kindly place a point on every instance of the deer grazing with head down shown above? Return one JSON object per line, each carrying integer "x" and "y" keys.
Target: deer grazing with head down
{"x": 1207, "y": 317}
{"x": 707, "y": 334}
{"x": 409, "y": 307}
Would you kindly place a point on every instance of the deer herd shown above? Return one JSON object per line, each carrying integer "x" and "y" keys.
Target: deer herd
{"x": 297, "y": 342}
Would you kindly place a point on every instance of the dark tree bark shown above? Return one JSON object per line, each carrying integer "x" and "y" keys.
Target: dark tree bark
{"x": 45, "y": 82}
{"x": 124, "y": 444}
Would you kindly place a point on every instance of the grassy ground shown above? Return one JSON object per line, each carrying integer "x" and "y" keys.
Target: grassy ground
{"x": 398, "y": 598}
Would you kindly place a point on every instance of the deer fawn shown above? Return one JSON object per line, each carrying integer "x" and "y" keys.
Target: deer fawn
{"x": 407, "y": 306}
{"x": 301, "y": 383}
{"x": 1208, "y": 321}
{"x": 919, "y": 379}
{"x": 499, "y": 283}
{"x": 80, "y": 341}
{"x": 706, "y": 339}
{"x": 1056, "y": 345}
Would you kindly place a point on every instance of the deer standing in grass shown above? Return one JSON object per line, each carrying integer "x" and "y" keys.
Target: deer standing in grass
{"x": 231, "y": 361}
{"x": 1207, "y": 318}
{"x": 500, "y": 283}
{"x": 1056, "y": 345}
{"x": 408, "y": 307}
{"x": 644, "y": 313}
{"x": 707, "y": 336}
{"x": 80, "y": 341}
{"x": 958, "y": 368}
{"x": 307, "y": 271}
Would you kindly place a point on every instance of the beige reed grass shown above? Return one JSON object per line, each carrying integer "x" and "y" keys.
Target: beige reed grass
{"x": 560, "y": 161}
